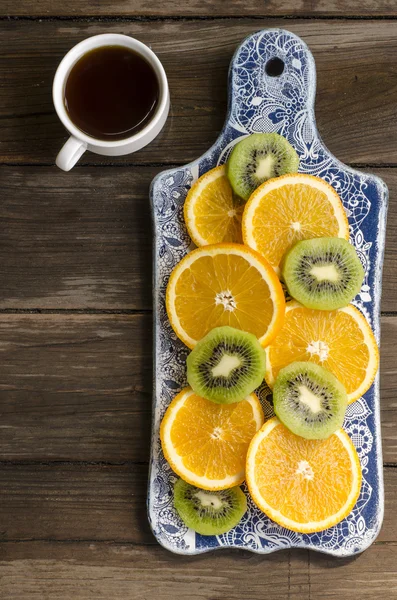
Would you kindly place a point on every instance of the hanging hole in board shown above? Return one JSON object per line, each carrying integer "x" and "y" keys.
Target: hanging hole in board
{"x": 274, "y": 67}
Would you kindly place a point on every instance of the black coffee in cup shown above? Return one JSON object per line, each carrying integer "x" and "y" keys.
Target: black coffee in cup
{"x": 111, "y": 93}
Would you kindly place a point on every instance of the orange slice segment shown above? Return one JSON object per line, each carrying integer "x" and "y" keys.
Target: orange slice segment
{"x": 339, "y": 340}
{"x": 291, "y": 208}
{"x": 304, "y": 485}
{"x": 206, "y": 443}
{"x": 224, "y": 284}
{"x": 212, "y": 211}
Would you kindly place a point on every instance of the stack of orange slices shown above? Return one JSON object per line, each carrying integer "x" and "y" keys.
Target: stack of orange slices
{"x": 339, "y": 340}
{"x": 304, "y": 485}
{"x": 291, "y": 208}
{"x": 279, "y": 213}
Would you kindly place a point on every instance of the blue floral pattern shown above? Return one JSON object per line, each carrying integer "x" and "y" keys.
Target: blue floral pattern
{"x": 284, "y": 104}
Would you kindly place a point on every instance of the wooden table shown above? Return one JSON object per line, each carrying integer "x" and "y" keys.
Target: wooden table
{"x": 75, "y": 297}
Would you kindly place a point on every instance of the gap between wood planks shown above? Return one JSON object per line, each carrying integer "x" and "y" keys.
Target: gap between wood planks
{"x": 117, "y": 542}
{"x": 150, "y": 18}
{"x": 165, "y": 165}
{"x": 96, "y": 463}
{"x": 102, "y": 311}
{"x": 88, "y": 311}
{"x": 95, "y": 541}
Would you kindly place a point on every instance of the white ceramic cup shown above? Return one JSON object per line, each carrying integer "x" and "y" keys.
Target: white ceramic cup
{"x": 79, "y": 142}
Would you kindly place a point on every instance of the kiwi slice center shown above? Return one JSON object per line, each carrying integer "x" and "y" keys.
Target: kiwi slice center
{"x": 302, "y": 397}
{"x": 305, "y": 469}
{"x": 325, "y": 273}
{"x": 309, "y": 399}
{"x": 226, "y": 365}
{"x": 209, "y": 500}
{"x": 319, "y": 348}
{"x": 208, "y": 504}
{"x": 265, "y": 167}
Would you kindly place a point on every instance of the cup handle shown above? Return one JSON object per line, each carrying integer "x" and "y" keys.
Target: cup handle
{"x": 70, "y": 153}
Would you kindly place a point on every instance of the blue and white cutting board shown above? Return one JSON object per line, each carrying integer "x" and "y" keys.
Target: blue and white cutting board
{"x": 284, "y": 104}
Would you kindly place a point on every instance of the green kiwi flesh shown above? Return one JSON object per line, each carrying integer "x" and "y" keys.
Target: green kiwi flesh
{"x": 209, "y": 513}
{"x": 309, "y": 400}
{"x": 226, "y": 365}
{"x": 257, "y": 158}
{"x": 323, "y": 273}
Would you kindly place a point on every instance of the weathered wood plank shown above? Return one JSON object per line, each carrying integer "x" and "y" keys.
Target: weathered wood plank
{"x": 103, "y": 503}
{"x": 74, "y": 502}
{"x": 79, "y": 387}
{"x": 388, "y": 403}
{"x": 83, "y": 239}
{"x": 120, "y": 572}
{"x": 123, "y": 572}
{"x": 78, "y": 240}
{"x": 75, "y": 387}
{"x": 369, "y": 576}
{"x": 193, "y": 8}
{"x": 357, "y": 89}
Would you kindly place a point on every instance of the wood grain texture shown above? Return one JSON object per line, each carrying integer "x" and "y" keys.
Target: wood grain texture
{"x": 83, "y": 239}
{"x": 103, "y": 503}
{"x": 193, "y": 8}
{"x": 76, "y": 240}
{"x": 124, "y": 572}
{"x": 368, "y": 576}
{"x": 75, "y": 387}
{"x": 79, "y": 387}
{"x": 356, "y": 98}
{"x": 75, "y": 502}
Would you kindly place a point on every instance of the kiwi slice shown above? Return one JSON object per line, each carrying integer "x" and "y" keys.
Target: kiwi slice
{"x": 209, "y": 513}
{"x": 226, "y": 365}
{"x": 323, "y": 273}
{"x": 257, "y": 158}
{"x": 309, "y": 400}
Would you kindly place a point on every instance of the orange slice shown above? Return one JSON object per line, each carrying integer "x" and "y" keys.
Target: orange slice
{"x": 212, "y": 211}
{"x": 339, "y": 340}
{"x": 290, "y": 208}
{"x": 304, "y": 485}
{"x": 224, "y": 284}
{"x": 206, "y": 443}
